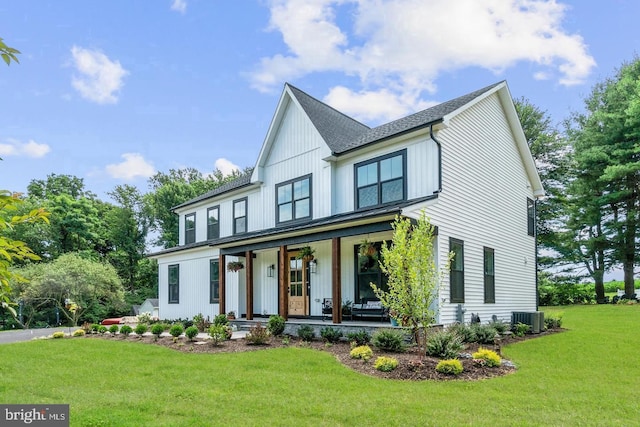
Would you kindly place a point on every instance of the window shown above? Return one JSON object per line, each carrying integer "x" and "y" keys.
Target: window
{"x": 240, "y": 216}
{"x": 214, "y": 281}
{"x": 456, "y": 275}
{"x": 174, "y": 284}
{"x": 531, "y": 217}
{"x": 367, "y": 272}
{"x": 381, "y": 180}
{"x": 489, "y": 276}
{"x": 213, "y": 223}
{"x": 294, "y": 200}
{"x": 189, "y": 228}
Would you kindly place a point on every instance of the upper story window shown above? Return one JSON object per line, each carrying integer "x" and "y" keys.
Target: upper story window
{"x": 531, "y": 217}
{"x": 240, "y": 216}
{"x": 213, "y": 223}
{"x": 189, "y": 228}
{"x": 381, "y": 180}
{"x": 294, "y": 199}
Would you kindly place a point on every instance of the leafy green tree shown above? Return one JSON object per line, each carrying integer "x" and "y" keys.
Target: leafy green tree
{"x": 12, "y": 250}
{"x": 413, "y": 277}
{"x": 80, "y": 288}
{"x": 8, "y": 53}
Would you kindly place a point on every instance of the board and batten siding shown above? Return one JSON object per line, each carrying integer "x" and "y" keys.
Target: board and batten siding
{"x": 194, "y": 284}
{"x": 483, "y": 203}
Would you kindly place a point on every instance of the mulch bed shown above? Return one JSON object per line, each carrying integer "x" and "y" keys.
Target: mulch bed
{"x": 413, "y": 365}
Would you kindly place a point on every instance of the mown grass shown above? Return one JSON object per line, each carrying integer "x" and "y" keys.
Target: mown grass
{"x": 585, "y": 376}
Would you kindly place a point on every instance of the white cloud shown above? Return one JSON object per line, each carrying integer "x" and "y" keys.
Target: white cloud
{"x": 400, "y": 47}
{"x": 225, "y": 166}
{"x": 99, "y": 79}
{"x": 133, "y": 166}
{"x": 179, "y": 6}
{"x": 27, "y": 149}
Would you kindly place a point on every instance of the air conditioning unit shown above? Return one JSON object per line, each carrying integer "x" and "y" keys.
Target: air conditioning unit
{"x": 535, "y": 319}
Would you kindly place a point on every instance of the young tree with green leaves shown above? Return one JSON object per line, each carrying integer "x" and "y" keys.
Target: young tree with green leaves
{"x": 413, "y": 276}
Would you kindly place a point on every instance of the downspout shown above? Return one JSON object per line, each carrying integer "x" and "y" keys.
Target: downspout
{"x": 433, "y": 137}
{"x": 535, "y": 240}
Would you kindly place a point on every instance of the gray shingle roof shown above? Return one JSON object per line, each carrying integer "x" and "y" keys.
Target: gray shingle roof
{"x": 241, "y": 181}
{"x": 343, "y": 134}
{"x": 336, "y": 128}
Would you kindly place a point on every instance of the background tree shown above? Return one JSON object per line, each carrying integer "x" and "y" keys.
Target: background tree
{"x": 413, "y": 277}
{"x": 81, "y": 289}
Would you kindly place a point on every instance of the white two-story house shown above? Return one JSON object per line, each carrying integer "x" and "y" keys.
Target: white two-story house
{"x": 324, "y": 180}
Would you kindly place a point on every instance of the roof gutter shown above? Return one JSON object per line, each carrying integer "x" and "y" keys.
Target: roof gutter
{"x": 433, "y": 137}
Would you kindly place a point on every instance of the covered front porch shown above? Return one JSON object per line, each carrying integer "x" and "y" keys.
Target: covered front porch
{"x": 275, "y": 280}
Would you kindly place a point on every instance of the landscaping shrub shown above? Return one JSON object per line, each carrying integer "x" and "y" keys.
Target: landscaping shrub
{"x": 450, "y": 367}
{"x": 552, "y": 321}
{"x": 275, "y": 325}
{"x": 360, "y": 338}
{"x": 114, "y": 329}
{"x": 176, "y": 330}
{"x": 157, "y": 329}
{"x": 500, "y": 326}
{"x": 221, "y": 319}
{"x": 466, "y": 332}
{"x": 330, "y": 334}
{"x": 191, "y": 332}
{"x": 484, "y": 334}
{"x": 126, "y": 330}
{"x": 141, "y": 328}
{"x": 95, "y": 327}
{"x": 144, "y": 318}
{"x": 490, "y": 357}
{"x": 200, "y": 322}
{"x": 306, "y": 333}
{"x": 444, "y": 344}
{"x": 59, "y": 334}
{"x": 386, "y": 364}
{"x": 79, "y": 333}
{"x": 258, "y": 335}
{"x": 389, "y": 340}
{"x": 102, "y": 329}
{"x": 520, "y": 329}
{"x": 565, "y": 291}
{"x": 218, "y": 333}
{"x": 363, "y": 352}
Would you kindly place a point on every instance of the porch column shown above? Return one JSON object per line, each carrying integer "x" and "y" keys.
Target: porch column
{"x": 336, "y": 285}
{"x": 222, "y": 287}
{"x": 249, "y": 282}
{"x": 283, "y": 288}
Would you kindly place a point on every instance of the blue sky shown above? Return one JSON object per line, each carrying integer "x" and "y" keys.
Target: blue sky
{"x": 114, "y": 91}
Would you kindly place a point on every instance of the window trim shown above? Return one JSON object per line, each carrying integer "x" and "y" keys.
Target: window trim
{"x": 291, "y": 182}
{"x": 189, "y": 231}
{"x": 452, "y": 277}
{"x": 170, "y": 285}
{"x": 531, "y": 217}
{"x": 378, "y": 160}
{"x": 489, "y": 278}
{"x": 246, "y": 215}
{"x": 213, "y": 283}
{"x": 217, "y": 226}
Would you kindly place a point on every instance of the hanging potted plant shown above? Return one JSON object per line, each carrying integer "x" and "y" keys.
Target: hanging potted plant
{"x": 306, "y": 254}
{"x": 368, "y": 249}
{"x": 235, "y": 266}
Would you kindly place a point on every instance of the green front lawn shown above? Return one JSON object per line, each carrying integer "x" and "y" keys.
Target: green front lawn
{"x": 586, "y": 376}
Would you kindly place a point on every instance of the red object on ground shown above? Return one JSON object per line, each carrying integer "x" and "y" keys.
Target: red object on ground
{"x": 114, "y": 321}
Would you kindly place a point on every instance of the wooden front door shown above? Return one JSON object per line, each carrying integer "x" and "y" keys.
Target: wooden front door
{"x": 298, "y": 283}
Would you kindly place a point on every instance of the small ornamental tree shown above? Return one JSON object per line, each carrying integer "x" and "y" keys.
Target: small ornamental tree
{"x": 413, "y": 278}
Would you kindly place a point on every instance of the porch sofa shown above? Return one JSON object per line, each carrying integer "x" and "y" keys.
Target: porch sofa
{"x": 370, "y": 308}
